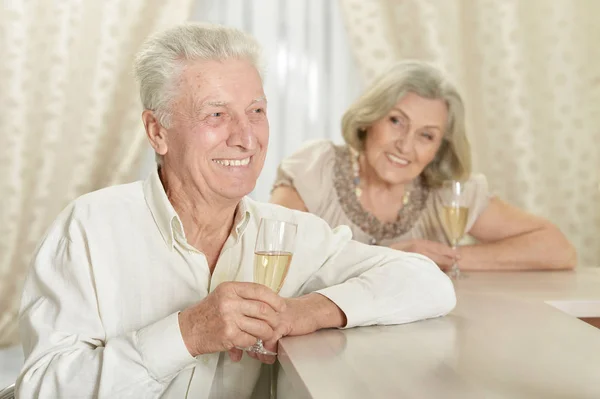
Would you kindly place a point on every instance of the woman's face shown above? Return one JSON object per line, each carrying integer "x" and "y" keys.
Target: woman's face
{"x": 401, "y": 144}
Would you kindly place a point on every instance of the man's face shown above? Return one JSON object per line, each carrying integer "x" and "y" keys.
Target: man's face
{"x": 219, "y": 132}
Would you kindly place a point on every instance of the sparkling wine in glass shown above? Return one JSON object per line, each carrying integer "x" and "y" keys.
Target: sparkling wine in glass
{"x": 455, "y": 213}
{"x": 272, "y": 257}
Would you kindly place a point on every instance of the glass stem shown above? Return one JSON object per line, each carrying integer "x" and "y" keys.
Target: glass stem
{"x": 454, "y": 271}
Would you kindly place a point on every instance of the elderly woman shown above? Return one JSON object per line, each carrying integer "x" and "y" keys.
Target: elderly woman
{"x": 146, "y": 290}
{"x": 404, "y": 136}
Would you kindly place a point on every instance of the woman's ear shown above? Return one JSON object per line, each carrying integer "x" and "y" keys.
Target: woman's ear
{"x": 362, "y": 134}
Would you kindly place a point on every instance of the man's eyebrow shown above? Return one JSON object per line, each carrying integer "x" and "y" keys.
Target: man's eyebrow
{"x": 214, "y": 104}
{"x": 200, "y": 105}
{"x": 259, "y": 99}
{"x": 225, "y": 103}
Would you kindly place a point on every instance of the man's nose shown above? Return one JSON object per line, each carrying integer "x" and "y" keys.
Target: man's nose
{"x": 242, "y": 134}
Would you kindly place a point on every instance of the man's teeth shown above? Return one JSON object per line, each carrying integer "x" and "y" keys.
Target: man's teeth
{"x": 398, "y": 160}
{"x": 233, "y": 162}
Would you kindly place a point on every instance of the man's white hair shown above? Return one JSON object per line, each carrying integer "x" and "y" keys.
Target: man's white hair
{"x": 160, "y": 60}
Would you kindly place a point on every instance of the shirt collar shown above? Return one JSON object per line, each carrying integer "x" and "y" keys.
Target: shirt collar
{"x": 166, "y": 218}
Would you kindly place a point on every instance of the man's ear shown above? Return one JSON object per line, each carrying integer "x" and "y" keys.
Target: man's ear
{"x": 156, "y": 133}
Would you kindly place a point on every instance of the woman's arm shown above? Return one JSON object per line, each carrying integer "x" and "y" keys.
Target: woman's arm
{"x": 512, "y": 239}
{"x": 288, "y": 196}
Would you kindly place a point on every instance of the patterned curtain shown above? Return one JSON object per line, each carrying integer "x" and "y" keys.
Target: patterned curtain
{"x": 69, "y": 115}
{"x": 530, "y": 75}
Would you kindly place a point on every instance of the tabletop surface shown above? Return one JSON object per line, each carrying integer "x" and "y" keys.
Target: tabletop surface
{"x": 511, "y": 335}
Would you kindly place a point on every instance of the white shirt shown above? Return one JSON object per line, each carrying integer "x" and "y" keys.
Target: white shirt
{"x": 99, "y": 308}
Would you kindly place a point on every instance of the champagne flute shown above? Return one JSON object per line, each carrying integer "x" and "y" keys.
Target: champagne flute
{"x": 272, "y": 257}
{"x": 455, "y": 213}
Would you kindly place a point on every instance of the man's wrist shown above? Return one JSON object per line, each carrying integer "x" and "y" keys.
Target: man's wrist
{"x": 184, "y": 327}
{"x": 327, "y": 313}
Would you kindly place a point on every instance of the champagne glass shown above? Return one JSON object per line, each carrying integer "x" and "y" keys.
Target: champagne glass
{"x": 272, "y": 257}
{"x": 455, "y": 213}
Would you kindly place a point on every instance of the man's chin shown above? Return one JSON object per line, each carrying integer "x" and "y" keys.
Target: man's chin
{"x": 236, "y": 193}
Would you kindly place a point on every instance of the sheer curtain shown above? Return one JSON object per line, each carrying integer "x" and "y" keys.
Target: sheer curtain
{"x": 530, "y": 75}
{"x": 310, "y": 78}
{"x": 69, "y": 115}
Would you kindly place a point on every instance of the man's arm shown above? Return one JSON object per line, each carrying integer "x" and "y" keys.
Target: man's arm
{"x": 67, "y": 352}
{"x": 360, "y": 285}
{"x": 69, "y": 355}
{"x": 371, "y": 284}
{"x": 378, "y": 285}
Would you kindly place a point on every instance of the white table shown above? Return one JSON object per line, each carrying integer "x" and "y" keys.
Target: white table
{"x": 512, "y": 335}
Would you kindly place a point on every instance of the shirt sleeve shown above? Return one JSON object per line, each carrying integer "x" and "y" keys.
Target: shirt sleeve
{"x": 310, "y": 172}
{"x": 66, "y": 348}
{"x": 372, "y": 284}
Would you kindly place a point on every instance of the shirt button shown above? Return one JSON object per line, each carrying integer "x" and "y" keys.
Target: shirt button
{"x": 373, "y": 241}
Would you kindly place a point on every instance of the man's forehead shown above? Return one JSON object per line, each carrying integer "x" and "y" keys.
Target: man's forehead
{"x": 213, "y": 69}
{"x": 215, "y": 101}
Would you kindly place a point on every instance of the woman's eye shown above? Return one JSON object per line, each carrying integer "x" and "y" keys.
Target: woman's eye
{"x": 398, "y": 121}
{"x": 427, "y": 135}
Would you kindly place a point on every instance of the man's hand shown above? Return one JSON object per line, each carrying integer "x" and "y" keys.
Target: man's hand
{"x": 441, "y": 254}
{"x": 235, "y": 314}
{"x": 302, "y": 316}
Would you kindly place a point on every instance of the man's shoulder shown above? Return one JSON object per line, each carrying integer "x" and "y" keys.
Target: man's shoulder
{"x": 268, "y": 210}
{"x": 95, "y": 209}
{"x": 122, "y": 193}
{"x": 313, "y": 234}
{"x": 106, "y": 201}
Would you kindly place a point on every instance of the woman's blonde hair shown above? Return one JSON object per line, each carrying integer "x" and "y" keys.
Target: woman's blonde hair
{"x": 453, "y": 158}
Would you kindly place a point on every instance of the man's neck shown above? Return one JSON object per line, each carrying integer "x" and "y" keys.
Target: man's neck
{"x": 207, "y": 222}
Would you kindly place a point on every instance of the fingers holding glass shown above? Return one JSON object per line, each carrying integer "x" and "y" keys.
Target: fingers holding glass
{"x": 272, "y": 258}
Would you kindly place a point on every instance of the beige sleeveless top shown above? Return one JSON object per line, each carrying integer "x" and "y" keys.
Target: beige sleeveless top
{"x": 321, "y": 173}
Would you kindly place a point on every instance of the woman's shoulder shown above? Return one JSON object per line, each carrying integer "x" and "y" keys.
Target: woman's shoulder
{"x": 479, "y": 179}
{"x": 314, "y": 160}
{"x": 313, "y": 150}
{"x": 311, "y": 172}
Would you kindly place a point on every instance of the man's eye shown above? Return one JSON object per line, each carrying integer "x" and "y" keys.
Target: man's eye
{"x": 216, "y": 114}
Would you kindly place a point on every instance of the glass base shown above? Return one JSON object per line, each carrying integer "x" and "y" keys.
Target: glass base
{"x": 455, "y": 274}
{"x": 260, "y": 349}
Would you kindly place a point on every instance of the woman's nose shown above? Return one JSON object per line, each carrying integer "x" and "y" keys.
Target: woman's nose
{"x": 405, "y": 143}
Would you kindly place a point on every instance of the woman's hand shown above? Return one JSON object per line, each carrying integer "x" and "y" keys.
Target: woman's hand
{"x": 442, "y": 254}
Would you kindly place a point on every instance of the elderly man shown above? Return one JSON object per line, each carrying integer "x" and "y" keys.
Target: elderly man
{"x": 139, "y": 290}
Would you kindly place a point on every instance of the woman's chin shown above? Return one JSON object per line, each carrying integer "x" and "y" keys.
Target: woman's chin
{"x": 394, "y": 179}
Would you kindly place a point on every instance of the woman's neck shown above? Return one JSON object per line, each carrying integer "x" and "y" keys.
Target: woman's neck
{"x": 374, "y": 185}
